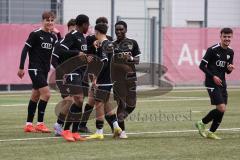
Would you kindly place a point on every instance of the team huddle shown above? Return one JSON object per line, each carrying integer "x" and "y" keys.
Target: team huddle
{"x": 92, "y": 67}
{"x": 89, "y": 67}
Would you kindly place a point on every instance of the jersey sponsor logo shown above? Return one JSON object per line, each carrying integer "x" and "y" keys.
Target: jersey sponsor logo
{"x": 46, "y": 45}
{"x": 126, "y": 53}
{"x": 84, "y": 47}
{"x": 121, "y": 54}
{"x": 220, "y": 63}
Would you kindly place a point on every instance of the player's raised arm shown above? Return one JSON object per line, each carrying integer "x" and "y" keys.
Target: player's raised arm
{"x": 65, "y": 45}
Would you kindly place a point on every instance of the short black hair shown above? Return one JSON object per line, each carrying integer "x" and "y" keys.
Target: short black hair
{"x": 121, "y": 23}
{"x": 71, "y": 22}
{"x": 81, "y": 19}
{"x": 101, "y": 27}
{"x": 101, "y": 20}
{"x": 226, "y": 31}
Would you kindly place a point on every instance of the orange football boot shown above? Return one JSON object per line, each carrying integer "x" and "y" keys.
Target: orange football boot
{"x": 42, "y": 128}
{"x": 78, "y": 137}
{"x": 29, "y": 128}
{"x": 68, "y": 136}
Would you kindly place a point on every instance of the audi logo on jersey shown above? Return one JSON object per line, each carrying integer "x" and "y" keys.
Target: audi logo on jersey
{"x": 121, "y": 54}
{"x": 46, "y": 45}
{"x": 220, "y": 63}
{"x": 84, "y": 47}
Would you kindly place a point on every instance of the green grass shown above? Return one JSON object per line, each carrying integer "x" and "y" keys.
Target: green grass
{"x": 169, "y": 112}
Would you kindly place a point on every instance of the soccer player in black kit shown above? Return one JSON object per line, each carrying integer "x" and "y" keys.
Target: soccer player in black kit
{"x": 104, "y": 84}
{"x": 74, "y": 45}
{"x": 123, "y": 72}
{"x": 58, "y": 59}
{"x": 39, "y": 46}
{"x": 217, "y": 61}
{"x": 92, "y": 50}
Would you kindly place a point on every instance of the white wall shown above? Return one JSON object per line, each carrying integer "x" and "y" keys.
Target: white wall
{"x": 176, "y": 13}
{"x": 184, "y": 10}
{"x": 222, "y": 13}
{"x": 137, "y": 29}
{"x": 92, "y": 8}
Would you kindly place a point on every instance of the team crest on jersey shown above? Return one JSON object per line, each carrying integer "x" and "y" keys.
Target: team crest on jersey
{"x": 51, "y": 39}
{"x": 41, "y": 38}
{"x": 130, "y": 46}
{"x": 228, "y": 57}
{"x": 68, "y": 90}
{"x": 79, "y": 40}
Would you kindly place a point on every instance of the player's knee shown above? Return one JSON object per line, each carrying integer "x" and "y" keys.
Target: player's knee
{"x": 110, "y": 112}
{"x": 78, "y": 99}
{"x": 35, "y": 97}
{"x": 47, "y": 96}
{"x": 221, "y": 108}
{"x": 91, "y": 101}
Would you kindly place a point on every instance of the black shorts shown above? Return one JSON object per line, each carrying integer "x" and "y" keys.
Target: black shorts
{"x": 102, "y": 93}
{"x": 39, "y": 78}
{"x": 73, "y": 84}
{"x": 125, "y": 90}
{"x": 218, "y": 95}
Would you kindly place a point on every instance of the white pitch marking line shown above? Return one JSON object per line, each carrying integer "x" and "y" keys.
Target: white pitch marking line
{"x": 197, "y": 111}
{"x": 171, "y": 97}
{"x": 146, "y": 100}
{"x": 19, "y": 94}
{"x": 133, "y": 133}
{"x": 173, "y": 100}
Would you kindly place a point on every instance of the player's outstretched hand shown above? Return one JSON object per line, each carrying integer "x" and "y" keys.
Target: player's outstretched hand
{"x": 20, "y": 73}
{"x": 230, "y": 67}
{"x": 217, "y": 80}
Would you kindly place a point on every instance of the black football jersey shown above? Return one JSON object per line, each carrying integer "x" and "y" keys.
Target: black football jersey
{"x": 105, "y": 53}
{"x": 90, "y": 47}
{"x": 126, "y": 46}
{"x": 70, "y": 46}
{"x": 74, "y": 42}
{"x": 41, "y": 45}
{"x": 217, "y": 60}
